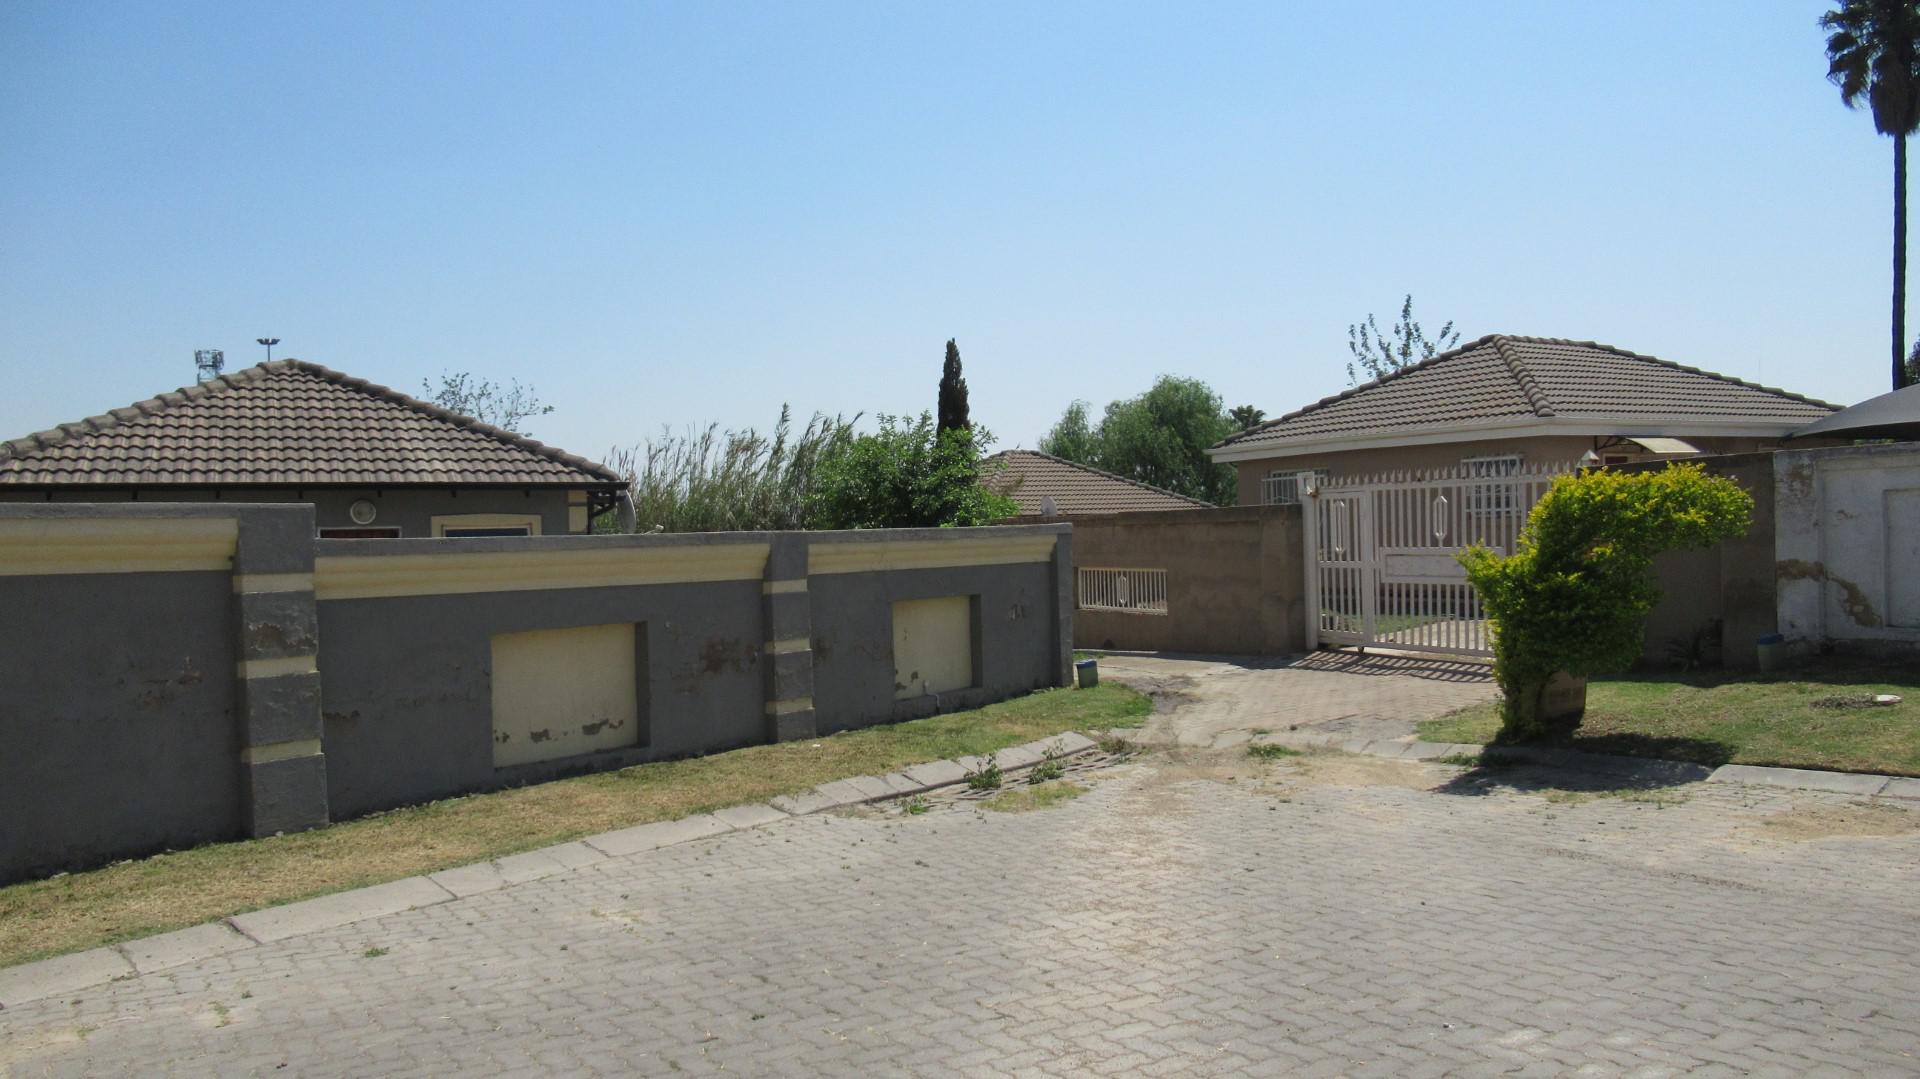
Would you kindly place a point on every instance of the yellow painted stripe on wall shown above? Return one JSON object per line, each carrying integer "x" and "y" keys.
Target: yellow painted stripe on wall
{"x": 376, "y": 576}
{"x": 37, "y": 546}
{"x": 280, "y": 751}
{"x": 274, "y": 668}
{"x": 867, "y": 557}
{"x": 790, "y": 644}
{"x": 790, "y": 705}
{"x": 782, "y": 588}
{"x": 272, "y": 582}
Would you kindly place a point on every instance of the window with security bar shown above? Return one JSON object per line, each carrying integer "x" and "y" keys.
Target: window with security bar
{"x": 1283, "y": 488}
{"x": 1489, "y": 499}
{"x": 1134, "y": 591}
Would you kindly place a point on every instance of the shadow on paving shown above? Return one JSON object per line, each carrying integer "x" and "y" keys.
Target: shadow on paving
{"x": 1612, "y": 763}
{"x": 1434, "y": 668}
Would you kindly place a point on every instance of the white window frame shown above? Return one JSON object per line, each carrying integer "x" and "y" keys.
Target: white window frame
{"x": 1124, "y": 591}
{"x": 1281, "y": 487}
{"x": 456, "y": 522}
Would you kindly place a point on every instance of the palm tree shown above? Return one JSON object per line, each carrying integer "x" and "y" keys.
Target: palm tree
{"x": 1873, "y": 55}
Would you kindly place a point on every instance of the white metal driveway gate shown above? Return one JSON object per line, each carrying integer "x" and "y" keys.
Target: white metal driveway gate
{"x": 1381, "y": 553}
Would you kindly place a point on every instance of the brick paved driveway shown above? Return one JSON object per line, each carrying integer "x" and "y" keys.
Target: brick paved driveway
{"x": 1220, "y": 702}
{"x": 1195, "y": 914}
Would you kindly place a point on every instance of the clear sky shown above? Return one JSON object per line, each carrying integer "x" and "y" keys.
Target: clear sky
{"x": 666, "y": 214}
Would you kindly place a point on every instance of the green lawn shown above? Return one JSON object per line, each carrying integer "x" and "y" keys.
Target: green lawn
{"x": 174, "y": 890}
{"x": 1739, "y": 718}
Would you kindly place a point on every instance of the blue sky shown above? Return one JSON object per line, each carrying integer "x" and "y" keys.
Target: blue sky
{"x": 667, "y": 214}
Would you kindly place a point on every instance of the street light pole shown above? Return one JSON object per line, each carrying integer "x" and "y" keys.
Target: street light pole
{"x": 269, "y": 342}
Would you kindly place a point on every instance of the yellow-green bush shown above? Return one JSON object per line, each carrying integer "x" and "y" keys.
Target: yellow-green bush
{"x": 1573, "y": 595}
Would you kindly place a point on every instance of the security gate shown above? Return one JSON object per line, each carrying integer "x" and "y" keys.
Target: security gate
{"x": 1382, "y": 565}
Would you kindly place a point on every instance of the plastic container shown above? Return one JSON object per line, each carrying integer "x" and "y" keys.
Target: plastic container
{"x": 1769, "y": 649}
{"x": 1088, "y": 672}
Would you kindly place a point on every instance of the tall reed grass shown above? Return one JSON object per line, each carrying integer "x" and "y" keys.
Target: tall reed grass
{"x": 729, "y": 481}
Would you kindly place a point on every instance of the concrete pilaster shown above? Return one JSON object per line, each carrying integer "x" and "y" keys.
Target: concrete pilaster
{"x": 788, "y": 617}
{"x": 283, "y": 768}
{"x": 1063, "y": 604}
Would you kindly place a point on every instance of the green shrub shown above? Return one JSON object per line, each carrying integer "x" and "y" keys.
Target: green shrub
{"x": 1574, "y": 594}
{"x": 907, "y": 474}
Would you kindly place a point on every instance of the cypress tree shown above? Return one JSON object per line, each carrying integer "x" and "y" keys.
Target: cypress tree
{"x": 953, "y": 392}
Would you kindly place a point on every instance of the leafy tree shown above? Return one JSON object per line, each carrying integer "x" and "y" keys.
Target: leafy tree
{"x": 1873, "y": 55}
{"x": 908, "y": 474}
{"x": 1405, "y": 344}
{"x": 507, "y": 407}
{"x": 1574, "y": 594}
{"x": 953, "y": 391}
{"x": 1160, "y": 437}
{"x": 1072, "y": 438}
{"x": 1246, "y": 416}
{"x": 1913, "y": 365}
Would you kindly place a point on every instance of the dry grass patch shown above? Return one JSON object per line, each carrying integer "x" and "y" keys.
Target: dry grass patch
{"x": 183, "y": 888}
{"x": 1786, "y": 718}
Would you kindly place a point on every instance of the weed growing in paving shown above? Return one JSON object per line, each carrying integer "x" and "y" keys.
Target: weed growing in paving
{"x": 1035, "y": 797}
{"x": 373, "y": 953}
{"x": 1270, "y": 751}
{"x": 1050, "y": 767}
{"x": 987, "y": 777}
{"x": 915, "y": 805}
{"x": 1659, "y": 799}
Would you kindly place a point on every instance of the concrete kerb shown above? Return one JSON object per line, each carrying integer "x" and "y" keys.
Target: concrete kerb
{"x": 1856, "y": 783}
{"x": 98, "y": 966}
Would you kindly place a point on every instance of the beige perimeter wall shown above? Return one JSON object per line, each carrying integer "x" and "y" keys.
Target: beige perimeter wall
{"x": 1234, "y": 580}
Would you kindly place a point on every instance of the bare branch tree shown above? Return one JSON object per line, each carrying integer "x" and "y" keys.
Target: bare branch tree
{"x": 1405, "y": 344}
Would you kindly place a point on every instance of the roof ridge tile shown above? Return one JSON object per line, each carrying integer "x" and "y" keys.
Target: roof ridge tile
{"x": 1536, "y": 396}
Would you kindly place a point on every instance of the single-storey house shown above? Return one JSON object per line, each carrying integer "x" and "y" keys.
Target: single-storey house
{"x": 1049, "y": 486}
{"x": 375, "y": 463}
{"x": 1501, "y": 403}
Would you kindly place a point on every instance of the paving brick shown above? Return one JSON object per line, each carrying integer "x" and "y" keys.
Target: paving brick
{"x": 1316, "y": 915}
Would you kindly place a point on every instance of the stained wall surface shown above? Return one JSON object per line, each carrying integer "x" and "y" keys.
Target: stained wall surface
{"x": 183, "y": 673}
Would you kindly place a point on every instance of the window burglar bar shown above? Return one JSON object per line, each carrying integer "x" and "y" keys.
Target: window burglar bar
{"x": 1137, "y": 591}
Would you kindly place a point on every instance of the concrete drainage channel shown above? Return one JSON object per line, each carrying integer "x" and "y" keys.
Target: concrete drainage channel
{"x": 97, "y": 966}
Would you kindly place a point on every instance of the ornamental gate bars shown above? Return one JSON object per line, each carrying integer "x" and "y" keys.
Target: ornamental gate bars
{"x": 1381, "y": 557}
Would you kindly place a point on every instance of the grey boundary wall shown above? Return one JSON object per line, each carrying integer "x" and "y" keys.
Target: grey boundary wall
{"x": 177, "y": 674}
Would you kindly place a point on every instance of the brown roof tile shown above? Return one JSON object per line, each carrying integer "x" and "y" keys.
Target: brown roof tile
{"x": 1500, "y": 377}
{"x": 288, "y": 423}
{"x": 1028, "y": 476}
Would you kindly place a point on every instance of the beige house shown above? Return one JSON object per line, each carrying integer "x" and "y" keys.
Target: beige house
{"x": 1047, "y": 486}
{"x": 1502, "y": 403}
{"x": 374, "y": 462}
